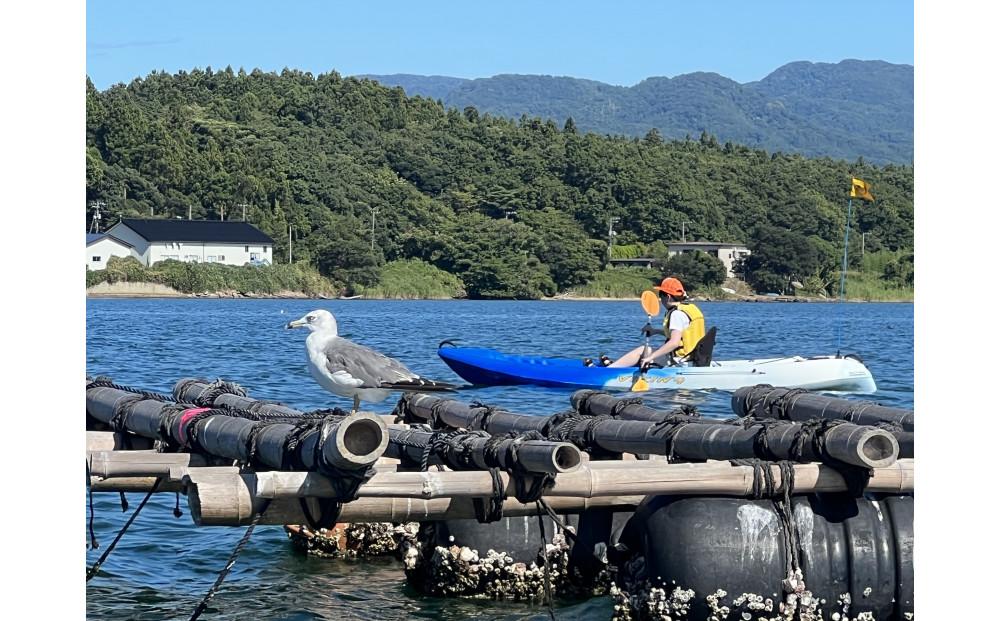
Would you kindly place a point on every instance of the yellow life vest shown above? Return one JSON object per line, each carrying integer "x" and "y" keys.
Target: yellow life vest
{"x": 692, "y": 334}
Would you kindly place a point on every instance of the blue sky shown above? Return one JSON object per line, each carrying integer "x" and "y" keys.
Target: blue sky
{"x": 615, "y": 42}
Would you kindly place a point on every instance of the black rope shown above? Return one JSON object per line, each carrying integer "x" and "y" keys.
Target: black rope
{"x": 93, "y": 570}
{"x": 191, "y": 432}
{"x": 90, "y": 499}
{"x": 621, "y": 404}
{"x": 545, "y": 563}
{"x": 251, "y": 441}
{"x": 216, "y": 389}
{"x": 493, "y": 513}
{"x": 102, "y": 381}
{"x": 556, "y": 519}
{"x": 229, "y": 564}
{"x": 750, "y": 404}
{"x": 177, "y": 505}
{"x": 481, "y": 419}
{"x": 124, "y": 501}
{"x": 780, "y": 408}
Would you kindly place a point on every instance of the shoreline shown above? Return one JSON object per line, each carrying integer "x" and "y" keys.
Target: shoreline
{"x": 146, "y": 290}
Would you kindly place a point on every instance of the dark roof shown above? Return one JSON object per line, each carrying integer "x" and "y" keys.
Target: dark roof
{"x": 197, "y": 231}
{"x": 93, "y": 237}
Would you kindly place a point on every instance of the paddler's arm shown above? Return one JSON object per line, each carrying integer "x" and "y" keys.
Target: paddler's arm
{"x": 672, "y": 343}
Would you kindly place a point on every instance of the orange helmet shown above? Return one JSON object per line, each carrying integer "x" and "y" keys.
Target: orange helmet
{"x": 672, "y": 287}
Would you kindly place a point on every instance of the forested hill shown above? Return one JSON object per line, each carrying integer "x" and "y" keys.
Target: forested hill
{"x": 514, "y": 208}
{"x": 846, "y": 110}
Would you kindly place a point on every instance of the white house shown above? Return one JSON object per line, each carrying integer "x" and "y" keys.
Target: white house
{"x": 102, "y": 246}
{"x": 728, "y": 253}
{"x": 197, "y": 241}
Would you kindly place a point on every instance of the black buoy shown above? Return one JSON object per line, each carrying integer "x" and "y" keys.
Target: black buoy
{"x": 857, "y": 550}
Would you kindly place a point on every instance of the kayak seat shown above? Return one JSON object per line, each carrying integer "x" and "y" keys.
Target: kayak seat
{"x": 701, "y": 355}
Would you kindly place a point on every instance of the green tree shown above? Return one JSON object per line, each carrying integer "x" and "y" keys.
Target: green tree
{"x": 697, "y": 270}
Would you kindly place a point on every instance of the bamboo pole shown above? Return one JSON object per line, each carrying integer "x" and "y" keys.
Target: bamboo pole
{"x": 758, "y": 401}
{"x": 597, "y": 403}
{"x": 350, "y": 443}
{"x": 231, "y": 499}
{"x": 868, "y": 447}
{"x": 532, "y": 455}
{"x": 110, "y": 441}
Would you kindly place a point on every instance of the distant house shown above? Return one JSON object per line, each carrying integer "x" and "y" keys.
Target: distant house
{"x": 102, "y": 246}
{"x": 195, "y": 241}
{"x": 728, "y": 253}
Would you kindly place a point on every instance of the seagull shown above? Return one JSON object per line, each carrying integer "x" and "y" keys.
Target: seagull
{"x": 351, "y": 370}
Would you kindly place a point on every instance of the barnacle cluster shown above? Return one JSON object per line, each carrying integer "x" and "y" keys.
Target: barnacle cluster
{"x": 461, "y": 571}
{"x": 358, "y": 539}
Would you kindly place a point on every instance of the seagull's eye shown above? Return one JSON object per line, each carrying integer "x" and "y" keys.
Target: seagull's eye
{"x": 310, "y": 318}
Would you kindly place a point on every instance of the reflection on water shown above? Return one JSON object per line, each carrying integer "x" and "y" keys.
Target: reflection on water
{"x": 163, "y": 565}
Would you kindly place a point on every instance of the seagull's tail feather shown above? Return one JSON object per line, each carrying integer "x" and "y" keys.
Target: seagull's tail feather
{"x": 419, "y": 384}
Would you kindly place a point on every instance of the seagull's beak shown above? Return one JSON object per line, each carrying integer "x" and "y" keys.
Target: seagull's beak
{"x": 298, "y": 323}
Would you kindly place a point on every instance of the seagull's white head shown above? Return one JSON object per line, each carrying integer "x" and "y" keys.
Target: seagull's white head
{"x": 316, "y": 321}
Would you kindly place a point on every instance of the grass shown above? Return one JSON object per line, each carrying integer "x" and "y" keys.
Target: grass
{"x": 216, "y": 277}
{"x": 413, "y": 279}
{"x": 870, "y": 288}
{"x": 617, "y": 282}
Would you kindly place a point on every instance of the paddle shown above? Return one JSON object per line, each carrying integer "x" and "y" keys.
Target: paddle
{"x": 650, "y": 304}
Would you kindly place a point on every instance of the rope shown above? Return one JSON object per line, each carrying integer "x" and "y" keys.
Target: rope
{"x": 93, "y": 570}
{"x": 780, "y": 407}
{"x": 494, "y": 512}
{"x": 621, "y": 404}
{"x": 229, "y": 564}
{"x": 481, "y": 420}
{"x": 103, "y": 381}
{"x": 545, "y": 562}
{"x": 90, "y": 498}
{"x": 216, "y": 389}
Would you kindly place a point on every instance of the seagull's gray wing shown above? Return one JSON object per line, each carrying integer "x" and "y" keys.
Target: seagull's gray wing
{"x": 362, "y": 363}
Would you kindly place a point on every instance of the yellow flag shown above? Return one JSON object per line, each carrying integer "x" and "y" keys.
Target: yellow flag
{"x": 860, "y": 189}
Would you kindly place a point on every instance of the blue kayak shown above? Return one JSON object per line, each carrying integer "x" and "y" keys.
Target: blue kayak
{"x": 489, "y": 367}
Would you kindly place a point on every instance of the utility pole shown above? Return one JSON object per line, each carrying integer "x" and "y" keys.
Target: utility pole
{"x": 611, "y": 233}
{"x": 289, "y": 244}
{"x": 862, "y": 244}
{"x": 374, "y": 211}
{"x": 509, "y": 212}
{"x": 95, "y": 220}
{"x": 222, "y": 212}
{"x": 189, "y": 212}
{"x": 683, "y": 234}
{"x": 244, "y": 206}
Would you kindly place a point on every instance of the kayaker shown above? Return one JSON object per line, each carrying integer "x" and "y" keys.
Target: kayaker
{"x": 683, "y": 321}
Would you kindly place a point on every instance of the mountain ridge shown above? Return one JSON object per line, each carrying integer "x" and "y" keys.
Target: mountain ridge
{"x": 845, "y": 110}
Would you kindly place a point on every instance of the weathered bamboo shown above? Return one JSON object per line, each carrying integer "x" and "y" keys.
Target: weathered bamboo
{"x": 654, "y": 478}
{"x": 532, "y": 455}
{"x": 868, "y": 447}
{"x": 224, "y": 501}
{"x": 848, "y": 443}
{"x": 134, "y": 484}
{"x": 351, "y": 443}
{"x": 216, "y": 499}
{"x": 760, "y": 401}
{"x": 108, "y": 464}
{"x": 110, "y": 441}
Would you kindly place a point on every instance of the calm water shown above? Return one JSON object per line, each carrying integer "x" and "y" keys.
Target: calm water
{"x": 163, "y": 565}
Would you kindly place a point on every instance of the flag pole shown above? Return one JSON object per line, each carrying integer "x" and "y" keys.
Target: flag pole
{"x": 843, "y": 270}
